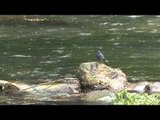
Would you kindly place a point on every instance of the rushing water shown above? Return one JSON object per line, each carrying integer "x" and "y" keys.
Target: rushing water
{"x": 34, "y": 51}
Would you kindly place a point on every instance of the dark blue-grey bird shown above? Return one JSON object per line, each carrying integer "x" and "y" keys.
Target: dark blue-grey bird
{"x": 100, "y": 56}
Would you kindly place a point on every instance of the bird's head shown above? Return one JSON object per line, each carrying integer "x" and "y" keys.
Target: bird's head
{"x": 99, "y": 51}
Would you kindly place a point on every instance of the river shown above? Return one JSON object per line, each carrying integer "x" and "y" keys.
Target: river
{"x": 38, "y": 48}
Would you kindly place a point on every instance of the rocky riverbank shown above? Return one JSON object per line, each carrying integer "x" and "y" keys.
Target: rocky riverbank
{"x": 96, "y": 83}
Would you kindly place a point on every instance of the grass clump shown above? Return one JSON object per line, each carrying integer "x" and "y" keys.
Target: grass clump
{"x": 126, "y": 98}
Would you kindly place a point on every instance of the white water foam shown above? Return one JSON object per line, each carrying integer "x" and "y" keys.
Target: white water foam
{"x": 21, "y": 56}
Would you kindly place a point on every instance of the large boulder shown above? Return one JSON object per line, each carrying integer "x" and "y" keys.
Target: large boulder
{"x": 96, "y": 75}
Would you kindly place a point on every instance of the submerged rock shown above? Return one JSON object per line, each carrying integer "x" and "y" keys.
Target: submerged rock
{"x": 96, "y": 75}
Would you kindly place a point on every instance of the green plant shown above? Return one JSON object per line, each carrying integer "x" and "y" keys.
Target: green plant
{"x": 126, "y": 98}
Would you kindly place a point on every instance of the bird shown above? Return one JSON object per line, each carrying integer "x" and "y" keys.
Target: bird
{"x": 100, "y": 56}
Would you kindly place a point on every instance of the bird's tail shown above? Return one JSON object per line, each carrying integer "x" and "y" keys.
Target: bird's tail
{"x": 105, "y": 61}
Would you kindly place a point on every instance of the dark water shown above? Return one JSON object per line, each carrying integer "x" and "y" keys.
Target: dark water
{"x": 33, "y": 51}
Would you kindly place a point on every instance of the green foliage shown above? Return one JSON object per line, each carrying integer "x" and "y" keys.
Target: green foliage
{"x": 126, "y": 98}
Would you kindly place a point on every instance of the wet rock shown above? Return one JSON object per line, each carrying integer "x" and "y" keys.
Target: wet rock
{"x": 49, "y": 87}
{"x": 9, "y": 87}
{"x": 1, "y": 88}
{"x": 144, "y": 87}
{"x": 139, "y": 87}
{"x": 154, "y": 87}
{"x": 58, "y": 88}
{"x": 96, "y": 75}
{"x": 100, "y": 96}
